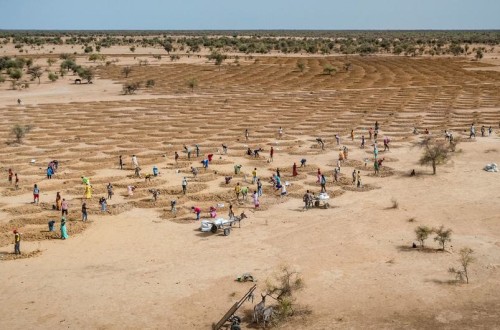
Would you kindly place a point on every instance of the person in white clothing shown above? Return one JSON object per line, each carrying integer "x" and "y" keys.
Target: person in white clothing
{"x": 134, "y": 161}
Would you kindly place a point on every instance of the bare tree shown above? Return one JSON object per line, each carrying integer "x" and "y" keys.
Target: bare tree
{"x": 282, "y": 288}
{"x": 465, "y": 259}
{"x": 126, "y": 71}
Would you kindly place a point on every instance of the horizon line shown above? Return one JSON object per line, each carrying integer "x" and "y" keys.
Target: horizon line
{"x": 245, "y": 30}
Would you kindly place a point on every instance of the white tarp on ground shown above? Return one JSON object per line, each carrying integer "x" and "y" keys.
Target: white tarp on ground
{"x": 206, "y": 225}
{"x": 491, "y": 167}
{"x": 323, "y": 196}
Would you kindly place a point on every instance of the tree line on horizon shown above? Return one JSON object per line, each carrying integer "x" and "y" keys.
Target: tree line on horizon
{"x": 411, "y": 43}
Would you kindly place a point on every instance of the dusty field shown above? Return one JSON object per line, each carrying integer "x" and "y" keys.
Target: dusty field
{"x": 138, "y": 266}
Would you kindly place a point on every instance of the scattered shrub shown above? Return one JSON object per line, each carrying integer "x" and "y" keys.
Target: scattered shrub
{"x": 465, "y": 260}
{"x": 20, "y": 132}
{"x": 53, "y": 77}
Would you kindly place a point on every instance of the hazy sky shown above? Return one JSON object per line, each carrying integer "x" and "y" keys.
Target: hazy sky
{"x": 250, "y": 14}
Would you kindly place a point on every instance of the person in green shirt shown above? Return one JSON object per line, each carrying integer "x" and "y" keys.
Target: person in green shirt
{"x": 244, "y": 193}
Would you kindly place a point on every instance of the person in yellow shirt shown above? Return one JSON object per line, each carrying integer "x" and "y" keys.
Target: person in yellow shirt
{"x": 254, "y": 175}
{"x": 237, "y": 190}
{"x": 88, "y": 192}
{"x": 17, "y": 242}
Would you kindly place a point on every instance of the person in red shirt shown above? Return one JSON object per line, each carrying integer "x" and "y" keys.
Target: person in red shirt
{"x": 196, "y": 210}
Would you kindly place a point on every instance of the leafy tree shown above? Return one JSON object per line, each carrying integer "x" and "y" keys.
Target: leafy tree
{"x": 422, "y": 233}
{"x": 367, "y": 48}
{"x": 218, "y": 58}
{"x": 20, "y": 132}
{"x": 168, "y": 47}
{"x": 436, "y": 152}
{"x": 442, "y": 236}
{"x": 68, "y": 64}
{"x": 29, "y": 63}
{"x": 347, "y": 49}
{"x": 301, "y": 66}
{"x": 13, "y": 63}
{"x": 329, "y": 69}
{"x": 397, "y": 50}
{"x": 36, "y": 72}
{"x": 131, "y": 88}
{"x": 88, "y": 49}
{"x": 53, "y": 77}
{"x": 192, "y": 83}
{"x": 126, "y": 71}
{"x": 86, "y": 73}
{"x": 411, "y": 50}
{"x": 465, "y": 260}
{"x": 456, "y": 49}
{"x": 479, "y": 54}
{"x": 15, "y": 75}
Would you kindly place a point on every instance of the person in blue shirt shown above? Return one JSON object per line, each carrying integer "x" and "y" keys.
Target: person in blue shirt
{"x": 50, "y": 171}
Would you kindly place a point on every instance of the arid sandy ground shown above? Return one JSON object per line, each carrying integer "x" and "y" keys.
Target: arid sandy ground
{"x": 139, "y": 267}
